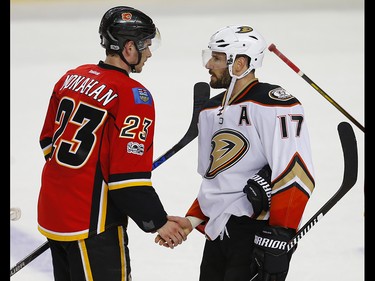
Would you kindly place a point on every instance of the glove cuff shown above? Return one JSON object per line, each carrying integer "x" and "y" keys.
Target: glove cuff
{"x": 274, "y": 238}
{"x": 258, "y": 191}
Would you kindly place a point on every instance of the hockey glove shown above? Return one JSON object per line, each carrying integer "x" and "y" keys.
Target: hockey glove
{"x": 258, "y": 191}
{"x": 270, "y": 260}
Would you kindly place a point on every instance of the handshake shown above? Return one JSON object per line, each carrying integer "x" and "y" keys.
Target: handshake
{"x": 174, "y": 232}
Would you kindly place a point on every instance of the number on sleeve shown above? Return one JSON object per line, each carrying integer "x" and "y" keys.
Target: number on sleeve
{"x": 285, "y": 125}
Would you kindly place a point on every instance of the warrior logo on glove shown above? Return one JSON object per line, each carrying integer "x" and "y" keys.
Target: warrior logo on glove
{"x": 258, "y": 190}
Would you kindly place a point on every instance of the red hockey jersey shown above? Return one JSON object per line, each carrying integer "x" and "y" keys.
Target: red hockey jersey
{"x": 97, "y": 139}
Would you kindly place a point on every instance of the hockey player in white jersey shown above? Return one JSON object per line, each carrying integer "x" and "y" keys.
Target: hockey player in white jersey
{"x": 255, "y": 162}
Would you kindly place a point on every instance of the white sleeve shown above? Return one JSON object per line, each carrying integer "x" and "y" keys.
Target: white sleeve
{"x": 194, "y": 221}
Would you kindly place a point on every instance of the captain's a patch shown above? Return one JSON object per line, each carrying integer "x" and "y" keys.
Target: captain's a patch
{"x": 280, "y": 94}
{"x": 142, "y": 96}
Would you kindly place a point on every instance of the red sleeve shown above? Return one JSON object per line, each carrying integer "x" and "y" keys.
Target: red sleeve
{"x": 195, "y": 211}
{"x": 288, "y": 203}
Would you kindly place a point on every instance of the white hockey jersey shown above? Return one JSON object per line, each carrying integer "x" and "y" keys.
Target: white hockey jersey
{"x": 261, "y": 124}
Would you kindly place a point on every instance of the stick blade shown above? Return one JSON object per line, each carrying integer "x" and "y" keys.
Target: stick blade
{"x": 350, "y": 150}
{"x": 201, "y": 91}
{"x": 201, "y": 96}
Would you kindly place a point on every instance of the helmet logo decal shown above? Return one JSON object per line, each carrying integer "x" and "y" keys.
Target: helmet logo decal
{"x": 126, "y": 16}
{"x": 244, "y": 29}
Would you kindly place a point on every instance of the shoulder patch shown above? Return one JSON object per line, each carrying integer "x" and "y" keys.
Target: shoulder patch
{"x": 142, "y": 96}
{"x": 280, "y": 94}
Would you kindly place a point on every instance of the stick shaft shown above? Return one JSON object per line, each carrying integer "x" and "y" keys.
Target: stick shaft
{"x": 25, "y": 261}
{"x": 273, "y": 48}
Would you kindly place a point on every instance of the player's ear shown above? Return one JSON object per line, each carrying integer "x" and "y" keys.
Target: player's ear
{"x": 130, "y": 52}
{"x": 240, "y": 65}
{"x": 129, "y": 48}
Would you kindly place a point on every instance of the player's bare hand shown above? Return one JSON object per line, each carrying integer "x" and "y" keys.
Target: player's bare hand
{"x": 172, "y": 234}
{"x": 184, "y": 223}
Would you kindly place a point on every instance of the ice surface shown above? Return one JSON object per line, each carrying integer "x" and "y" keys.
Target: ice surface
{"x": 325, "y": 39}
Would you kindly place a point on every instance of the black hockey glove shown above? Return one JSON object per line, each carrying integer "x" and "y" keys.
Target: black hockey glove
{"x": 270, "y": 260}
{"x": 258, "y": 190}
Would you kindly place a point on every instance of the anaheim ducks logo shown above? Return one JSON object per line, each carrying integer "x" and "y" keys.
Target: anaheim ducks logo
{"x": 244, "y": 29}
{"x": 228, "y": 147}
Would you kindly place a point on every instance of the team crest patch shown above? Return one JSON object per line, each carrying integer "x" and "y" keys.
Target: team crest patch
{"x": 135, "y": 148}
{"x": 142, "y": 96}
{"x": 280, "y": 94}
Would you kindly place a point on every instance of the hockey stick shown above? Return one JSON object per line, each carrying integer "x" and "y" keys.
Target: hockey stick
{"x": 273, "y": 48}
{"x": 350, "y": 151}
{"x": 29, "y": 258}
{"x": 201, "y": 95}
{"x": 349, "y": 147}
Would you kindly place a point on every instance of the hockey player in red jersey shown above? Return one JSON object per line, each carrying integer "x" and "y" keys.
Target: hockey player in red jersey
{"x": 255, "y": 160}
{"x": 97, "y": 139}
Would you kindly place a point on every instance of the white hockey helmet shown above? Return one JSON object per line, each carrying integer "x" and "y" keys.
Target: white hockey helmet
{"x": 236, "y": 40}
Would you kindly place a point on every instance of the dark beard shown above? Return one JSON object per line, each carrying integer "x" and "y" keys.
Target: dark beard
{"x": 223, "y": 81}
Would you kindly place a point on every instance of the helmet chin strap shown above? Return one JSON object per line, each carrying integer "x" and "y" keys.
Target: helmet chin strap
{"x": 227, "y": 97}
{"x": 233, "y": 81}
{"x": 230, "y": 90}
{"x": 132, "y": 66}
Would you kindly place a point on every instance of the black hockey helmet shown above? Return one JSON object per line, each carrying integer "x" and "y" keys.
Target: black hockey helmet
{"x": 121, "y": 24}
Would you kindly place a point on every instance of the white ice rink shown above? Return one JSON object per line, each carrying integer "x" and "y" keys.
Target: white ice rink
{"x": 325, "y": 39}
